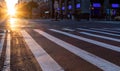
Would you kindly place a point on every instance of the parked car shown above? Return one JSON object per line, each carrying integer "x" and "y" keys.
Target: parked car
{"x": 117, "y": 18}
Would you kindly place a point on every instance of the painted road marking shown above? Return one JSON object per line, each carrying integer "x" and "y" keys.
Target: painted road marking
{"x": 99, "y": 36}
{"x": 66, "y": 29}
{"x": 106, "y": 30}
{"x": 91, "y": 58}
{"x": 117, "y": 29}
{"x": 2, "y": 43}
{"x": 105, "y": 45}
{"x": 98, "y": 32}
{"x": 7, "y": 59}
{"x": 45, "y": 61}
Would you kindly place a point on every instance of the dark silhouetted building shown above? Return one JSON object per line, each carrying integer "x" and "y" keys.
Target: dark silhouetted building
{"x": 80, "y": 9}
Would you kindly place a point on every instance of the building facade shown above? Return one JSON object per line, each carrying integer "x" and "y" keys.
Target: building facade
{"x": 77, "y": 9}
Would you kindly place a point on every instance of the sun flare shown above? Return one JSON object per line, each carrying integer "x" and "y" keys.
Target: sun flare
{"x": 11, "y": 7}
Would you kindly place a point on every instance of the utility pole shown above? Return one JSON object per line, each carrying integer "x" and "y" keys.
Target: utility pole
{"x": 107, "y": 9}
{"x": 51, "y": 8}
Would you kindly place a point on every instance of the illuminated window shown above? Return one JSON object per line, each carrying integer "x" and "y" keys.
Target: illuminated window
{"x": 97, "y": 5}
{"x": 115, "y": 5}
{"x": 70, "y": 7}
{"x": 63, "y": 8}
{"x": 78, "y": 5}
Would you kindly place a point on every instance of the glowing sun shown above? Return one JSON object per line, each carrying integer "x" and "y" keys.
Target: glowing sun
{"x": 11, "y": 6}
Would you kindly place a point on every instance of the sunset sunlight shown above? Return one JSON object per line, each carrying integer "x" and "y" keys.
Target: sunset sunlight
{"x": 59, "y": 35}
{"x": 12, "y": 23}
{"x": 11, "y": 7}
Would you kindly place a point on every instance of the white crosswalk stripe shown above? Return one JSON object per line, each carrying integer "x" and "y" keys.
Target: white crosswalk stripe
{"x": 105, "y": 45}
{"x": 106, "y": 30}
{"x": 91, "y": 58}
{"x": 66, "y": 29}
{"x": 44, "y": 60}
{"x": 7, "y": 59}
{"x": 2, "y": 42}
{"x": 99, "y": 36}
{"x": 106, "y": 33}
{"x": 47, "y": 63}
{"x": 117, "y": 29}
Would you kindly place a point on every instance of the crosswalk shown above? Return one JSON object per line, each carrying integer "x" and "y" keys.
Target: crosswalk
{"x": 108, "y": 46}
{"x": 51, "y": 46}
{"x": 45, "y": 61}
{"x": 100, "y": 63}
{"x": 7, "y": 59}
{"x": 2, "y": 42}
{"x": 99, "y": 36}
{"x": 107, "y": 30}
{"x": 96, "y": 31}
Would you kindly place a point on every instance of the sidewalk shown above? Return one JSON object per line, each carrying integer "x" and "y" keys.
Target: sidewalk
{"x": 98, "y": 21}
{"x": 74, "y": 23}
{"x": 108, "y": 22}
{"x": 85, "y": 21}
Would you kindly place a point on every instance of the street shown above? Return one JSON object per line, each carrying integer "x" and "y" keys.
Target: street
{"x": 63, "y": 45}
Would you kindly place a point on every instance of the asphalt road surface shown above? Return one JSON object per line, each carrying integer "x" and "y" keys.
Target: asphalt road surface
{"x": 47, "y": 45}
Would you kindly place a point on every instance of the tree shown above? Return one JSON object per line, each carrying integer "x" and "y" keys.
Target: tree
{"x": 43, "y": 8}
{"x": 22, "y": 10}
{"x": 32, "y": 5}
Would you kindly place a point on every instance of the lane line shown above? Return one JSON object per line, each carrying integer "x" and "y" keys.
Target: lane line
{"x": 2, "y": 43}
{"x": 45, "y": 61}
{"x": 105, "y": 45}
{"x": 2, "y": 33}
{"x": 89, "y": 57}
{"x": 99, "y": 36}
{"x": 7, "y": 59}
{"x": 106, "y": 30}
{"x": 117, "y": 30}
{"x": 110, "y": 29}
{"x": 98, "y": 32}
{"x": 66, "y": 29}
